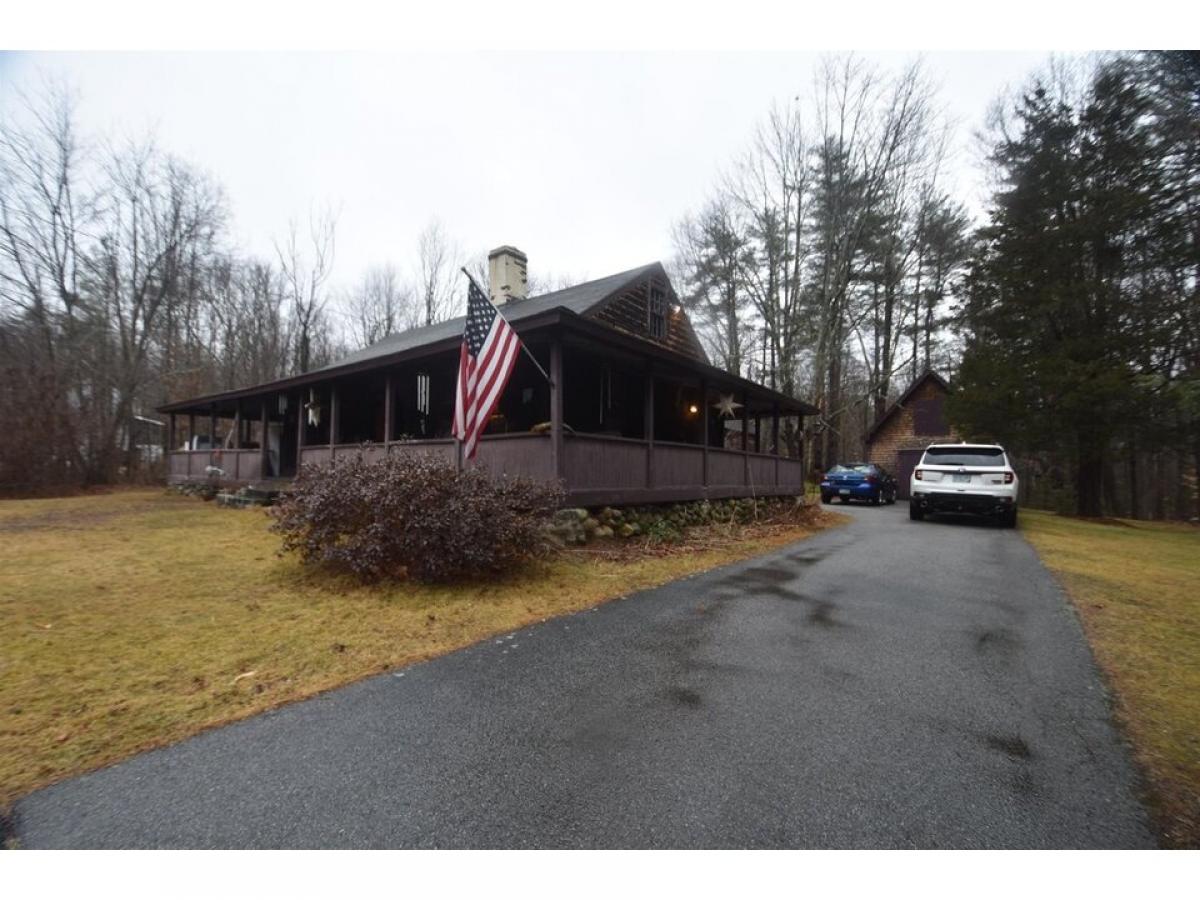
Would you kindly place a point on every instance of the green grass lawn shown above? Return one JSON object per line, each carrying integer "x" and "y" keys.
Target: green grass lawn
{"x": 138, "y": 618}
{"x": 1136, "y": 586}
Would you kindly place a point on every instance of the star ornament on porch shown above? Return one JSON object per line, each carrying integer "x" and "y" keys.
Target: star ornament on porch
{"x": 726, "y": 407}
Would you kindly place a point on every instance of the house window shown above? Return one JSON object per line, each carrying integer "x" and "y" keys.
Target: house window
{"x": 657, "y": 319}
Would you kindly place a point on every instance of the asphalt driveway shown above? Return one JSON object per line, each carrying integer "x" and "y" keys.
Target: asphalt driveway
{"x": 885, "y": 684}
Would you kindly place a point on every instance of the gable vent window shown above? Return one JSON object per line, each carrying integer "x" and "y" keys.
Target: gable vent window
{"x": 928, "y": 417}
{"x": 657, "y": 313}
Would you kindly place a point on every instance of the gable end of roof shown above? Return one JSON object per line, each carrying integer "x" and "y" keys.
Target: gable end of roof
{"x": 927, "y": 375}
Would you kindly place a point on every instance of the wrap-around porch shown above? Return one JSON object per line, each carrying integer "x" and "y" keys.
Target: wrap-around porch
{"x": 618, "y": 422}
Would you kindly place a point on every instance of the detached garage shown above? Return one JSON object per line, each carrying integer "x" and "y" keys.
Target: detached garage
{"x": 917, "y": 419}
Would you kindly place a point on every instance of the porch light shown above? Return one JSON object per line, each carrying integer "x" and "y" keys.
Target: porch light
{"x": 693, "y": 409}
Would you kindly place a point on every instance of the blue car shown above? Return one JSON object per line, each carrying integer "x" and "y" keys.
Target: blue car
{"x": 858, "y": 481}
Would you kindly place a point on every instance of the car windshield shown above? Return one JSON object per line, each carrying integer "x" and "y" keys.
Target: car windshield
{"x": 861, "y": 468}
{"x": 964, "y": 456}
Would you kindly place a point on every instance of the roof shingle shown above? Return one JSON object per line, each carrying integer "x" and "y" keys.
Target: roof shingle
{"x": 579, "y": 299}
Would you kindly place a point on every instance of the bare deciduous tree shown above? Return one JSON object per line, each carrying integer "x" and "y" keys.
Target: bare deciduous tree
{"x": 380, "y": 305}
{"x": 439, "y": 259}
{"x": 305, "y": 265}
{"x": 826, "y": 207}
{"x": 93, "y": 249}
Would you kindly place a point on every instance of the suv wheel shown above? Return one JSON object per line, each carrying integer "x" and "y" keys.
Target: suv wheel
{"x": 914, "y": 512}
{"x": 824, "y": 497}
{"x": 1009, "y": 519}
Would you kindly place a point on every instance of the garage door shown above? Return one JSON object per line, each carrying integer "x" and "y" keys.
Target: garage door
{"x": 906, "y": 461}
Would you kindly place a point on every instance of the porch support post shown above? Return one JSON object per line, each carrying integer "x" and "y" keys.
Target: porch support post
{"x": 800, "y": 442}
{"x": 704, "y": 427}
{"x": 648, "y": 423}
{"x": 758, "y": 432}
{"x": 775, "y": 437}
{"x": 170, "y": 433}
{"x": 388, "y": 402}
{"x": 212, "y": 436}
{"x": 745, "y": 440}
{"x": 556, "y": 408}
{"x": 264, "y": 464}
{"x": 299, "y": 428}
{"x": 333, "y": 420}
{"x": 191, "y": 440}
{"x": 236, "y": 430}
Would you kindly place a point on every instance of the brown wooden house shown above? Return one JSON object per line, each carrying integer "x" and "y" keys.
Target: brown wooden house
{"x": 908, "y": 426}
{"x": 632, "y": 412}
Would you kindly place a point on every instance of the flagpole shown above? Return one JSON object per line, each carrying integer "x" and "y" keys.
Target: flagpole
{"x": 532, "y": 358}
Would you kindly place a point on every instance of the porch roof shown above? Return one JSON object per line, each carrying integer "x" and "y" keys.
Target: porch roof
{"x": 565, "y": 308}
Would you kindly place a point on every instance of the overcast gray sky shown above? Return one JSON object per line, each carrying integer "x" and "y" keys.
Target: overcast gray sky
{"x": 583, "y": 160}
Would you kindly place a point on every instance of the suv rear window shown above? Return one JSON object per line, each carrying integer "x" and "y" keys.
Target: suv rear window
{"x": 964, "y": 456}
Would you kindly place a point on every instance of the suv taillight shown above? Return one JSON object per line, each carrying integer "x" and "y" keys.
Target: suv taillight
{"x": 870, "y": 479}
{"x": 918, "y": 474}
{"x": 1008, "y": 477}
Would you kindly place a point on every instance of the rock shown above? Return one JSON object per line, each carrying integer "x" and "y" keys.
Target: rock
{"x": 604, "y": 531}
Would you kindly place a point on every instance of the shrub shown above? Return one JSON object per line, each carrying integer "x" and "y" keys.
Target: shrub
{"x": 409, "y": 514}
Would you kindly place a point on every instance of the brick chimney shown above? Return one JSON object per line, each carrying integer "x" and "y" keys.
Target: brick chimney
{"x": 506, "y": 274}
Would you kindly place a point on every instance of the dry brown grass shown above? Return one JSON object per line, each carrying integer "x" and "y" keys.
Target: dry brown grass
{"x": 1137, "y": 588}
{"x": 136, "y": 619}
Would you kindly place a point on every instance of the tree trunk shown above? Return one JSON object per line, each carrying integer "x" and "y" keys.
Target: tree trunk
{"x": 1133, "y": 479}
{"x": 1159, "y": 508}
{"x": 1111, "y": 506}
{"x": 1088, "y": 477}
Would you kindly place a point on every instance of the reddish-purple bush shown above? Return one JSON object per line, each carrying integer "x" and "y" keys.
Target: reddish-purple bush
{"x": 412, "y": 515}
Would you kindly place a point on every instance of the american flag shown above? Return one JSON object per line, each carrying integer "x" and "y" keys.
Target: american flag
{"x": 485, "y": 362}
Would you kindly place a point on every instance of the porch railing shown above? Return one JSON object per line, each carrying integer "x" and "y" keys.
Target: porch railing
{"x": 513, "y": 454}
{"x": 606, "y": 469}
{"x": 193, "y": 465}
{"x": 596, "y": 469}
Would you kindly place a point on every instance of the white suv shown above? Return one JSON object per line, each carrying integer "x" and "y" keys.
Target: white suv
{"x": 964, "y": 478}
